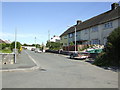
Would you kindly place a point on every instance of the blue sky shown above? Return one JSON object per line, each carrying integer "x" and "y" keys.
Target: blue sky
{"x": 34, "y": 19}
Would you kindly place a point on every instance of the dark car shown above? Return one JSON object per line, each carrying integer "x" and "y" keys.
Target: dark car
{"x": 33, "y": 49}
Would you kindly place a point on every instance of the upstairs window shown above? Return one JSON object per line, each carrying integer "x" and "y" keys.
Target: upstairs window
{"x": 86, "y": 31}
{"x": 65, "y": 37}
{"x": 77, "y": 34}
{"x": 108, "y": 25}
{"x": 70, "y": 35}
{"x": 95, "y": 29}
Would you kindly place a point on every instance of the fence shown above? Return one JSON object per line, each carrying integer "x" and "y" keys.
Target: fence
{"x": 72, "y": 48}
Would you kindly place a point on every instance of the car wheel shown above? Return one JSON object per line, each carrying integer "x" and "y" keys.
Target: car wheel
{"x": 71, "y": 56}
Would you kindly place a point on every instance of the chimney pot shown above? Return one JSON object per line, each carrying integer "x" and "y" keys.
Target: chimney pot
{"x": 79, "y": 22}
{"x": 114, "y": 6}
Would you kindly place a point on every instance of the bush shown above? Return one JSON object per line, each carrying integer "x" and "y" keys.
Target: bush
{"x": 110, "y": 55}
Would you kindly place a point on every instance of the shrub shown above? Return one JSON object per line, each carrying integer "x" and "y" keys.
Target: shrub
{"x": 110, "y": 56}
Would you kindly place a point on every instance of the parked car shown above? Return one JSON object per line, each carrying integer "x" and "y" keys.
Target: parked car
{"x": 33, "y": 49}
{"x": 38, "y": 50}
{"x": 79, "y": 55}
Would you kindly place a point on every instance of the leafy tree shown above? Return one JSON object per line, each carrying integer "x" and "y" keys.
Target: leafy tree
{"x": 33, "y": 45}
{"x": 71, "y": 43}
{"x": 25, "y": 44}
{"x": 54, "y": 45}
{"x": 18, "y": 46}
{"x": 4, "y": 45}
{"x": 37, "y": 45}
{"x": 110, "y": 55}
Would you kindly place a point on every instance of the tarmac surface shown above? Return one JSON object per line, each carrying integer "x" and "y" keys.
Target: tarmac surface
{"x": 57, "y": 71}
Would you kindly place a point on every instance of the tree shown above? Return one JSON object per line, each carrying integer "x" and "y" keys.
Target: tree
{"x": 37, "y": 45}
{"x": 54, "y": 45}
{"x": 71, "y": 43}
{"x": 25, "y": 44}
{"x": 110, "y": 55}
{"x": 33, "y": 45}
{"x": 18, "y": 46}
{"x": 4, "y": 45}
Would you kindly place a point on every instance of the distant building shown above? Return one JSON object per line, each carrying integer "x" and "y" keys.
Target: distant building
{"x": 1, "y": 41}
{"x": 55, "y": 39}
{"x": 94, "y": 30}
{"x": 5, "y": 41}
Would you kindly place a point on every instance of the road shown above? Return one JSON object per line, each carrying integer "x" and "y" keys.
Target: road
{"x": 58, "y": 71}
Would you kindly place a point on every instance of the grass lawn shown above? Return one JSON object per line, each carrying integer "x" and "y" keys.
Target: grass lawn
{"x": 5, "y": 51}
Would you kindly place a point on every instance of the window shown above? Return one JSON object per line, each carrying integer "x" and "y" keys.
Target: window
{"x": 104, "y": 40}
{"x": 65, "y": 44}
{"x": 70, "y": 35}
{"x": 86, "y": 31}
{"x": 77, "y": 34}
{"x": 65, "y": 37}
{"x": 95, "y": 29}
{"x": 95, "y": 41}
{"x": 108, "y": 25}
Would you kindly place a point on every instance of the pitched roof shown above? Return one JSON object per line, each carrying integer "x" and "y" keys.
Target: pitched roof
{"x": 102, "y": 18}
{"x": 1, "y": 41}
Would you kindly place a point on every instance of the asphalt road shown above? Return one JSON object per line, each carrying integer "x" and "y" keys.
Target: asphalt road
{"x": 58, "y": 71}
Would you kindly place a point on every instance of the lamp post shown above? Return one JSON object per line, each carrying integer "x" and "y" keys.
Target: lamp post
{"x": 75, "y": 36}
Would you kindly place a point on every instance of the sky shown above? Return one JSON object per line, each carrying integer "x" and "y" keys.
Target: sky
{"x": 34, "y": 19}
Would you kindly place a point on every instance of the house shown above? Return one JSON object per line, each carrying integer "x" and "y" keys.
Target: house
{"x": 55, "y": 39}
{"x": 5, "y": 41}
{"x": 94, "y": 30}
{"x": 2, "y": 41}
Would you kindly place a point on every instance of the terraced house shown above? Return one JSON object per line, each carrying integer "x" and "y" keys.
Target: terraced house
{"x": 94, "y": 30}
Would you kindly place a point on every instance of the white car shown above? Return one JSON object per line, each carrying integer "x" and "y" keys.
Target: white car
{"x": 38, "y": 50}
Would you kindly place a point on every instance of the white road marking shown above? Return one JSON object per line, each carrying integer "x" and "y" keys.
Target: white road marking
{"x": 32, "y": 59}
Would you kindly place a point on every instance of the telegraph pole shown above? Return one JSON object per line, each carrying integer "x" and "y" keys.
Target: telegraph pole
{"x": 48, "y": 35}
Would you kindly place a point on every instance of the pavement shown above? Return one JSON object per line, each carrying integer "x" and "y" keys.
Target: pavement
{"x": 23, "y": 62}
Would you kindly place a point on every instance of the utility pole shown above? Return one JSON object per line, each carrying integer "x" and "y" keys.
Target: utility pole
{"x": 35, "y": 42}
{"x": 49, "y": 38}
{"x": 48, "y": 35}
{"x": 15, "y": 43}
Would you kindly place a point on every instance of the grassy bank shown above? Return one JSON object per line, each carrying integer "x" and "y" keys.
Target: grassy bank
{"x": 5, "y": 51}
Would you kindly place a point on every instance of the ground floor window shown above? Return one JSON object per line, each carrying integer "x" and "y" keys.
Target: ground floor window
{"x": 105, "y": 40}
{"x": 95, "y": 41}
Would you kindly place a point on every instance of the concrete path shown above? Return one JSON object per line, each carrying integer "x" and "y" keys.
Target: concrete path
{"x": 23, "y": 62}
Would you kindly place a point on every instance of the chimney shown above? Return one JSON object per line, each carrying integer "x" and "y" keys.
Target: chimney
{"x": 114, "y": 6}
{"x": 79, "y": 22}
